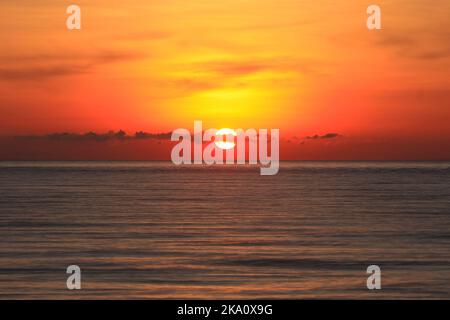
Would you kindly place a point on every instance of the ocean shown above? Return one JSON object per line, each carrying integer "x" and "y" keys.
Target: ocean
{"x": 153, "y": 230}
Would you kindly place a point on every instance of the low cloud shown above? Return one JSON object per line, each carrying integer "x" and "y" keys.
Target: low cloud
{"x": 100, "y": 137}
{"x": 325, "y": 136}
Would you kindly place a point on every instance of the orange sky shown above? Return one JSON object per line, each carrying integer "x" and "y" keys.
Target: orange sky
{"x": 306, "y": 67}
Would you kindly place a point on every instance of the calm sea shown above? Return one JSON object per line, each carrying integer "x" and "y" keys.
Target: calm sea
{"x": 155, "y": 230}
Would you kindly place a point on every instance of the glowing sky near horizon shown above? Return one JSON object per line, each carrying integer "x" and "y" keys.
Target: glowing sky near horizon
{"x": 306, "y": 67}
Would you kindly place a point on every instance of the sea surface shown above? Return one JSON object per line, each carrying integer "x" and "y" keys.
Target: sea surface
{"x": 156, "y": 230}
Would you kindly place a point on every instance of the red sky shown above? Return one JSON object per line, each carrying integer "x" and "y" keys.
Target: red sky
{"x": 306, "y": 67}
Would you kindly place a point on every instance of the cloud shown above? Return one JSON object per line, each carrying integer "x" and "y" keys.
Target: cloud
{"x": 235, "y": 68}
{"x": 100, "y": 137}
{"x": 325, "y": 136}
{"x": 38, "y": 73}
{"x": 44, "y": 66}
{"x": 235, "y": 73}
{"x": 145, "y": 36}
{"x": 432, "y": 55}
{"x": 421, "y": 46}
{"x": 158, "y": 136}
{"x": 395, "y": 40}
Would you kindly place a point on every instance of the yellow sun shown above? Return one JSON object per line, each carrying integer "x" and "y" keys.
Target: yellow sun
{"x": 226, "y": 145}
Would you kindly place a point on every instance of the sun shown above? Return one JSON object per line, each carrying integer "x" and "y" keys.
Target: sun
{"x": 224, "y": 132}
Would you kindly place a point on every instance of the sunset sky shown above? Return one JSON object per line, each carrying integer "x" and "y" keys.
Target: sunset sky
{"x": 310, "y": 68}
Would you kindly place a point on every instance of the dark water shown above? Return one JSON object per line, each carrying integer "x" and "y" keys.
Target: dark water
{"x": 153, "y": 230}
